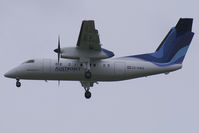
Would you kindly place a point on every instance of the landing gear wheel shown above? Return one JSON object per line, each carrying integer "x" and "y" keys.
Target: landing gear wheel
{"x": 87, "y": 94}
{"x": 18, "y": 84}
{"x": 88, "y": 74}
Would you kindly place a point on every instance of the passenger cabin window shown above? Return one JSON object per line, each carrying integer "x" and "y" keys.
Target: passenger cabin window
{"x": 30, "y": 61}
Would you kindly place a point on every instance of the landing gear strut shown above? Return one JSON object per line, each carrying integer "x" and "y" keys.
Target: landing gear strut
{"x": 18, "y": 84}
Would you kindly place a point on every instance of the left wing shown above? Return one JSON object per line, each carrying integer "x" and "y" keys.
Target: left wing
{"x": 88, "y": 36}
{"x": 88, "y": 45}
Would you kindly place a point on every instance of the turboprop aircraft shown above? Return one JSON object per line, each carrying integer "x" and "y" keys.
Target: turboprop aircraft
{"x": 89, "y": 63}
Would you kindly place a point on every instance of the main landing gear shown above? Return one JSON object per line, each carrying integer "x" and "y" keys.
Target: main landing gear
{"x": 18, "y": 84}
{"x": 87, "y": 85}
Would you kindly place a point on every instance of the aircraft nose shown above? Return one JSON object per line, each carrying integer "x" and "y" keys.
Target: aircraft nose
{"x": 11, "y": 74}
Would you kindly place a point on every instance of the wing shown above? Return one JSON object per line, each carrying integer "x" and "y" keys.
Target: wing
{"x": 88, "y": 36}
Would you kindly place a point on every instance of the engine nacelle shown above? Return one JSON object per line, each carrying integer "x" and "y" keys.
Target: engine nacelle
{"x": 77, "y": 53}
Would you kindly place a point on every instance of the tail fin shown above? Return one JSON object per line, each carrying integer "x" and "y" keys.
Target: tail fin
{"x": 173, "y": 48}
{"x": 175, "y": 45}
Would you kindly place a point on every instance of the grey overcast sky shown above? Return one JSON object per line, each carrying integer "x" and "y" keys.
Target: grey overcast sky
{"x": 157, "y": 104}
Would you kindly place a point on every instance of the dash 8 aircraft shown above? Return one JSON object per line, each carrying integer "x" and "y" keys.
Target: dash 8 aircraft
{"x": 88, "y": 62}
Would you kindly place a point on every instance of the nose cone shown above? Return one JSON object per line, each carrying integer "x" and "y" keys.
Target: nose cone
{"x": 11, "y": 74}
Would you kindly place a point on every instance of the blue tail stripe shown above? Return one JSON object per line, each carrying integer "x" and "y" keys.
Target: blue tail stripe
{"x": 161, "y": 52}
{"x": 177, "y": 59}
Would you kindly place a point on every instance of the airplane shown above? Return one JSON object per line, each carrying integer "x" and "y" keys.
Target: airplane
{"x": 89, "y": 63}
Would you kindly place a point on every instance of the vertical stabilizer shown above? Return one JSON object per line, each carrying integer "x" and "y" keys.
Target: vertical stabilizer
{"x": 173, "y": 48}
{"x": 175, "y": 45}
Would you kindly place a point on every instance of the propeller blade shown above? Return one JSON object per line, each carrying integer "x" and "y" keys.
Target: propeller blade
{"x": 58, "y": 50}
{"x": 59, "y": 44}
{"x": 58, "y": 83}
{"x": 58, "y": 57}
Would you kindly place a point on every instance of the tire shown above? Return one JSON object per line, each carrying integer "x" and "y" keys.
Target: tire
{"x": 18, "y": 84}
{"x": 87, "y": 94}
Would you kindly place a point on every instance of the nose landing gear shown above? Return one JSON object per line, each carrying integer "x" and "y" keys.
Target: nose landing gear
{"x": 18, "y": 84}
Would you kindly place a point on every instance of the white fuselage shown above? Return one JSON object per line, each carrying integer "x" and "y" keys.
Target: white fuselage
{"x": 102, "y": 70}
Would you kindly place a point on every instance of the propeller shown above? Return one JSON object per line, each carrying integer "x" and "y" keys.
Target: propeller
{"x": 58, "y": 50}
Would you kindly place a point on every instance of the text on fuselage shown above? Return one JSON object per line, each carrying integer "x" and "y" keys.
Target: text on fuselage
{"x": 66, "y": 69}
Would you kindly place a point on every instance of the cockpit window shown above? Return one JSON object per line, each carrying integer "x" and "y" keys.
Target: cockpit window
{"x": 30, "y": 61}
